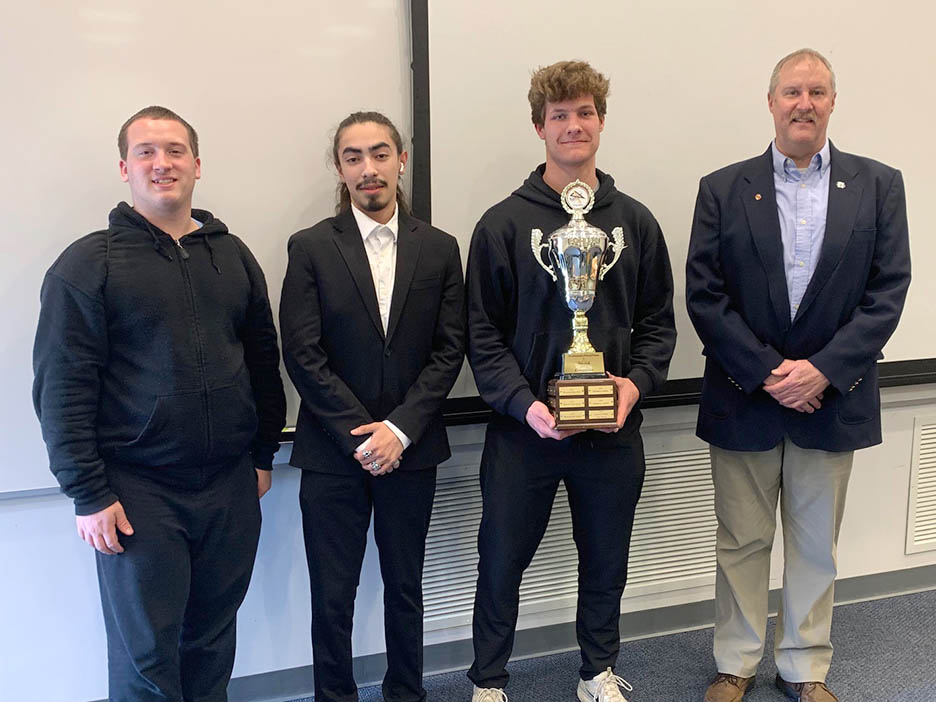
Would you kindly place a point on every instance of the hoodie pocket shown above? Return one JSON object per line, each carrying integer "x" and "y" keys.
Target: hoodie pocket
{"x": 232, "y": 417}
{"x": 545, "y": 358}
{"x": 614, "y": 345}
{"x": 174, "y": 434}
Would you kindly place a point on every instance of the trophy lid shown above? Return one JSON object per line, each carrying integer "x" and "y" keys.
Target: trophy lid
{"x": 577, "y": 198}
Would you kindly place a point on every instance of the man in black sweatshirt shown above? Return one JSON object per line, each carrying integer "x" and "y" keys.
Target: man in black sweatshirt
{"x": 158, "y": 389}
{"x": 518, "y": 328}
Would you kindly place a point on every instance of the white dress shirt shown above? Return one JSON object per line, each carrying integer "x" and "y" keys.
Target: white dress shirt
{"x": 380, "y": 243}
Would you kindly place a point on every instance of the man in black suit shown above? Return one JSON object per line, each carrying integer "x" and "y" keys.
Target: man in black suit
{"x": 373, "y": 324}
{"x": 798, "y": 268}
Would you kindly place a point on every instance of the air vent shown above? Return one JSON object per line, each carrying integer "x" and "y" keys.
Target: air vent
{"x": 672, "y": 547}
{"x": 921, "y": 520}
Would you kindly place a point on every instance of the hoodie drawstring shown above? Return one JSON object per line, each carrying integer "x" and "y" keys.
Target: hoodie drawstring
{"x": 125, "y": 215}
{"x": 156, "y": 243}
{"x": 211, "y": 254}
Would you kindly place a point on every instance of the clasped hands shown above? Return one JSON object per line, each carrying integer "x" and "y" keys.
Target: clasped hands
{"x": 380, "y": 454}
{"x": 798, "y": 385}
{"x": 541, "y": 419}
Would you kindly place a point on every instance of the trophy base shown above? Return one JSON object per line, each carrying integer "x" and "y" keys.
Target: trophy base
{"x": 583, "y": 401}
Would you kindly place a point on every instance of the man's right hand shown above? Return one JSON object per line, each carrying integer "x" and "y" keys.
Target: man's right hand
{"x": 807, "y": 406}
{"x": 100, "y": 529}
{"x": 542, "y": 421}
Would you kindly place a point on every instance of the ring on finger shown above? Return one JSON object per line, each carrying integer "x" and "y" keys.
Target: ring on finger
{"x": 367, "y": 453}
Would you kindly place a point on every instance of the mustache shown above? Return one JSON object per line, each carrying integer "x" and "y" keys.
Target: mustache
{"x": 369, "y": 182}
{"x": 805, "y": 115}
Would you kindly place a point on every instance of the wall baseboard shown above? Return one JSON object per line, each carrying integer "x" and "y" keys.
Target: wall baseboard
{"x": 293, "y": 683}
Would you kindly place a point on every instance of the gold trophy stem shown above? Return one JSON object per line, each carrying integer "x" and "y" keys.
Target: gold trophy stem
{"x": 580, "y": 342}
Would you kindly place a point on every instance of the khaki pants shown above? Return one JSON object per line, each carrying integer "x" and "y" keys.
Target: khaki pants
{"x": 811, "y": 486}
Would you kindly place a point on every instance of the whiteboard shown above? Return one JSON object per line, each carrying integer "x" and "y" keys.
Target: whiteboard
{"x": 264, "y": 84}
{"x": 688, "y": 96}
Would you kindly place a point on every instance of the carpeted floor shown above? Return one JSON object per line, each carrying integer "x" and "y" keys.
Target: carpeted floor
{"x": 885, "y": 651}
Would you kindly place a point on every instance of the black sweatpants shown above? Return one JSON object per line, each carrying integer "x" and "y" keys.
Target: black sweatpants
{"x": 336, "y": 511}
{"x": 170, "y": 599}
{"x": 520, "y": 474}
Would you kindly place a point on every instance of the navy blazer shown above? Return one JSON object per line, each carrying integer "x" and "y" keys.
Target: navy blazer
{"x": 347, "y": 371}
{"x": 737, "y": 299}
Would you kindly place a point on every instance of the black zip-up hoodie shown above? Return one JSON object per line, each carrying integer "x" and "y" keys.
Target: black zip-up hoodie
{"x": 518, "y": 324}
{"x": 155, "y": 356}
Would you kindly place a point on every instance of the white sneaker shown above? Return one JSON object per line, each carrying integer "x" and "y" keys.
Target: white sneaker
{"x": 489, "y": 694}
{"x": 604, "y": 687}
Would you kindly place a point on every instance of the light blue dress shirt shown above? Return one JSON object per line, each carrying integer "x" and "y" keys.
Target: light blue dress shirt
{"x": 802, "y": 205}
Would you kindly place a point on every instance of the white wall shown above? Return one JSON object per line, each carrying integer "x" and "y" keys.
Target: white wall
{"x": 52, "y": 646}
{"x": 264, "y": 84}
{"x": 688, "y": 96}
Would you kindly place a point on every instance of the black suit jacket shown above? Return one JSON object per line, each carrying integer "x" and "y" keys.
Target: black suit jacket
{"x": 347, "y": 371}
{"x": 738, "y": 301}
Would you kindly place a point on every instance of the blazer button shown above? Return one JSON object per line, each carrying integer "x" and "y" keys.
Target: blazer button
{"x": 387, "y": 352}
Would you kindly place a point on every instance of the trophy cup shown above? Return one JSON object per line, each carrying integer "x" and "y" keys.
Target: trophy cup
{"x": 581, "y": 396}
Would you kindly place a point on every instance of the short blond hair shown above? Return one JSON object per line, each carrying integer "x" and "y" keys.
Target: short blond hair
{"x": 798, "y": 55}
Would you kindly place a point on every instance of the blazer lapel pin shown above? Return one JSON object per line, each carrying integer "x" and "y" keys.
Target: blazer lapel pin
{"x": 757, "y": 196}
{"x": 840, "y": 184}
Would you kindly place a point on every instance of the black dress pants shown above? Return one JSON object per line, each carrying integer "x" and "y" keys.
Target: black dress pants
{"x": 336, "y": 511}
{"x": 170, "y": 599}
{"x": 520, "y": 474}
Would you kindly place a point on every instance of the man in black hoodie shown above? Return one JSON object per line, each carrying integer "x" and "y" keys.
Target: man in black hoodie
{"x": 518, "y": 328}
{"x": 158, "y": 389}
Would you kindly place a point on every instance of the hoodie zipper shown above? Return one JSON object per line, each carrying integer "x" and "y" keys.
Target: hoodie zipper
{"x": 199, "y": 351}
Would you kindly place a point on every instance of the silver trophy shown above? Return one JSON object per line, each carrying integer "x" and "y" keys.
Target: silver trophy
{"x": 581, "y": 396}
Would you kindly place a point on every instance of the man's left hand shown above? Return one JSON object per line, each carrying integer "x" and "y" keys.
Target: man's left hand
{"x": 800, "y": 387}
{"x": 264, "y": 481}
{"x": 383, "y": 448}
{"x": 627, "y": 396}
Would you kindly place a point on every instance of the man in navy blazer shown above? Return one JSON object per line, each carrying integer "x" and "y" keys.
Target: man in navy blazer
{"x": 798, "y": 268}
{"x": 373, "y": 324}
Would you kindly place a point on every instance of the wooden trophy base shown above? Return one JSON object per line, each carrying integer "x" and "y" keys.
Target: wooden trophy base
{"x": 583, "y": 401}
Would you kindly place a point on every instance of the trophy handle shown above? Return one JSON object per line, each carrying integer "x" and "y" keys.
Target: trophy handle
{"x": 536, "y": 243}
{"x": 619, "y": 245}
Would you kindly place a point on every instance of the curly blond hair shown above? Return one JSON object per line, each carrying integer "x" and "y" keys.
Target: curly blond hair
{"x": 566, "y": 80}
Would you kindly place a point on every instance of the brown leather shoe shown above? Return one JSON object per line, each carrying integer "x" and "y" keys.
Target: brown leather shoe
{"x": 805, "y": 691}
{"x": 727, "y": 688}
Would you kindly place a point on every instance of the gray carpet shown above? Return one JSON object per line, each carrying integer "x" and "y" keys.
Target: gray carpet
{"x": 885, "y": 651}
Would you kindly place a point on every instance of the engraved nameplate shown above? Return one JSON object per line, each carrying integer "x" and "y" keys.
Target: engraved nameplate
{"x": 601, "y": 402}
{"x": 592, "y": 363}
{"x": 572, "y": 402}
{"x": 601, "y": 389}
